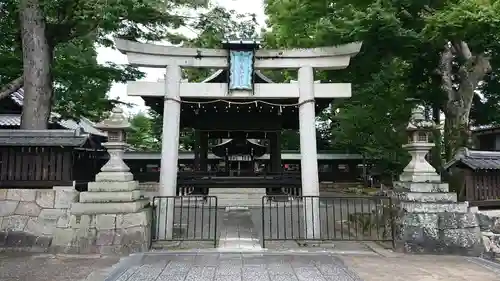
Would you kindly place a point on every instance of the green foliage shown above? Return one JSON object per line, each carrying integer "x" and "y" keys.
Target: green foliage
{"x": 75, "y": 29}
{"x": 142, "y": 136}
{"x": 213, "y": 27}
{"x": 403, "y": 41}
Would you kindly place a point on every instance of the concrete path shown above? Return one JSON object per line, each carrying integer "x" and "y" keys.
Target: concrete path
{"x": 301, "y": 267}
{"x": 275, "y": 266}
{"x": 45, "y": 267}
{"x": 238, "y": 231}
{"x": 233, "y": 267}
{"x": 422, "y": 268}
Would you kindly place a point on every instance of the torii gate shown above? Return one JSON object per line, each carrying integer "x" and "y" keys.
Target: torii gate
{"x": 174, "y": 89}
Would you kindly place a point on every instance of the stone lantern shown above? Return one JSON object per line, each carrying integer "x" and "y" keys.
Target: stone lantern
{"x": 419, "y": 131}
{"x": 115, "y": 126}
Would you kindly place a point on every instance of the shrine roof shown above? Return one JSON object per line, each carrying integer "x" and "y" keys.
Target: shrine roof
{"x": 60, "y": 138}
{"x": 14, "y": 119}
{"x": 239, "y": 146}
{"x": 475, "y": 159}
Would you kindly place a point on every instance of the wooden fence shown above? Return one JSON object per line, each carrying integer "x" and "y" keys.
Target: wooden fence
{"x": 483, "y": 187}
{"x": 45, "y": 167}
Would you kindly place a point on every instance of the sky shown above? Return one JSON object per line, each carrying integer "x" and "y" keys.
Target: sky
{"x": 119, "y": 90}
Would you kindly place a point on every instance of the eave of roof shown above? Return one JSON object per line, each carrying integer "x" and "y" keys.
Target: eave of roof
{"x": 476, "y": 159}
{"x": 15, "y": 119}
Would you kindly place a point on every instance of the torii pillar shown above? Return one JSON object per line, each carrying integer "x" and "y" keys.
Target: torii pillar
{"x": 306, "y": 91}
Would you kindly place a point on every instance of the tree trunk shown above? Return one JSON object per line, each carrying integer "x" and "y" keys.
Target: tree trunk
{"x": 456, "y": 128}
{"x": 37, "y": 59}
{"x": 436, "y": 152}
{"x": 459, "y": 87}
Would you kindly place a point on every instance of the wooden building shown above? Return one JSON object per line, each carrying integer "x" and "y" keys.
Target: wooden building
{"x": 68, "y": 153}
{"x": 481, "y": 171}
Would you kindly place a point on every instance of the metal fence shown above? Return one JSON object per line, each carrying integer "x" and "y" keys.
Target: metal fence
{"x": 314, "y": 218}
{"x": 185, "y": 218}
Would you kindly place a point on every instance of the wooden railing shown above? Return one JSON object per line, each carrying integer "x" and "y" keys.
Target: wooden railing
{"x": 323, "y": 176}
{"x": 45, "y": 167}
{"x": 483, "y": 188}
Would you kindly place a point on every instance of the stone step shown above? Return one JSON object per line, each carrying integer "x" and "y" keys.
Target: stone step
{"x": 421, "y": 186}
{"x": 107, "y": 208}
{"x": 419, "y": 207}
{"x": 428, "y": 197}
{"x": 239, "y": 196}
{"x": 103, "y": 186}
{"x": 239, "y": 203}
{"x": 105, "y": 197}
{"x": 214, "y": 191}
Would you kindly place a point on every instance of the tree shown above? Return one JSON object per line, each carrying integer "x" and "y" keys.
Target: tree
{"x": 440, "y": 51}
{"x": 142, "y": 137}
{"x": 215, "y": 26}
{"x": 55, "y": 24}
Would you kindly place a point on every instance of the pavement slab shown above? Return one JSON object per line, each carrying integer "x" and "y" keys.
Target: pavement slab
{"x": 233, "y": 267}
{"x": 46, "y": 267}
{"x": 245, "y": 266}
{"x": 401, "y": 267}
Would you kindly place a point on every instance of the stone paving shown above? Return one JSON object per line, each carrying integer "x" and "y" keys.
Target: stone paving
{"x": 45, "y": 267}
{"x": 401, "y": 267}
{"x": 239, "y": 231}
{"x": 302, "y": 266}
{"x": 272, "y": 266}
{"x": 233, "y": 267}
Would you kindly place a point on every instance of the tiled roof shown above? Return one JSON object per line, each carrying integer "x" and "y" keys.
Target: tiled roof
{"x": 15, "y": 120}
{"x": 476, "y": 159}
{"x": 10, "y": 120}
{"x": 41, "y": 137}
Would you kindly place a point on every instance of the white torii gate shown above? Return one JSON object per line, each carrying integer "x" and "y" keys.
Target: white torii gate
{"x": 306, "y": 90}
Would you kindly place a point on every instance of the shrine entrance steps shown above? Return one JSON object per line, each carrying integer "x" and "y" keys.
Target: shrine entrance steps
{"x": 238, "y": 197}
{"x": 238, "y": 232}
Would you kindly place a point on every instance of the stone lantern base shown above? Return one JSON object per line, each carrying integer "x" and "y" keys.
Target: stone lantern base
{"x": 433, "y": 222}
{"x": 111, "y": 218}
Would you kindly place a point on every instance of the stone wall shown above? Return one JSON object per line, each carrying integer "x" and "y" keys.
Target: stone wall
{"x": 433, "y": 222}
{"x": 149, "y": 189}
{"x": 104, "y": 234}
{"x": 489, "y": 222}
{"x": 29, "y": 217}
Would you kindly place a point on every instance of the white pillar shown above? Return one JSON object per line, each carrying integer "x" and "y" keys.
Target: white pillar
{"x": 308, "y": 153}
{"x": 169, "y": 149}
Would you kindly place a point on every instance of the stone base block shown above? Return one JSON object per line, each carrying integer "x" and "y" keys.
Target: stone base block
{"x": 107, "y": 208}
{"x": 428, "y": 197}
{"x": 105, "y": 234}
{"x": 430, "y": 177}
{"x": 439, "y": 233}
{"x": 103, "y": 186}
{"x": 114, "y": 177}
{"x": 422, "y": 186}
{"x": 105, "y": 197}
{"x": 433, "y": 207}
{"x": 491, "y": 244}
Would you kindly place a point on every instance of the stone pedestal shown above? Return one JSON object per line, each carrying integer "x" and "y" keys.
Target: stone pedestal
{"x": 112, "y": 216}
{"x": 433, "y": 222}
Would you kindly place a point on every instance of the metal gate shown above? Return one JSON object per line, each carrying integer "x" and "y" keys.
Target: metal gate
{"x": 309, "y": 218}
{"x": 185, "y": 218}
